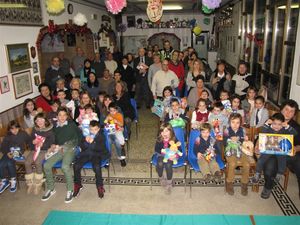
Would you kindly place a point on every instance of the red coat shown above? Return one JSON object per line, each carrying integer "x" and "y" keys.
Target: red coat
{"x": 179, "y": 71}
{"x": 42, "y": 103}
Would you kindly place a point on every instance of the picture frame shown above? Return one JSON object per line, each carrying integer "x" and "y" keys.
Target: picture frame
{"x": 35, "y": 68}
{"x": 22, "y": 84}
{"x": 4, "y": 84}
{"x": 18, "y": 57}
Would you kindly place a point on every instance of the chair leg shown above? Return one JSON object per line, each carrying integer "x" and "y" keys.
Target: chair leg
{"x": 136, "y": 130}
{"x": 190, "y": 182}
{"x": 108, "y": 178}
{"x": 128, "y": 148}
{"x": 150, "y": 176}
{"x": 185, "y": 171}
{"x": 113, "y": 166}
{"x": 286, "y": 180}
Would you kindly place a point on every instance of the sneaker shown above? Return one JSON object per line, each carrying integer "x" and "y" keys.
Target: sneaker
{"x": 13, "y": 185}
{"x": 123, "y": 162}
{"x": 4, "y": 185}
{"x": 69, "y": 197}
{"x": 217, "y": 176}
{"x": 48, "y": 195}
{"x": 255, "y": 178}
{"x": 278, "y": 177}
{"x": 265, "y": 194}
{"x": 101, "y": 191}
{"x": 77, "y": 189}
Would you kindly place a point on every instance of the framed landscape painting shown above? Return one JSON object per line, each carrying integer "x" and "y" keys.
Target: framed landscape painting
{"x": 22, "y": 84}
{"x": 18, "y": 57}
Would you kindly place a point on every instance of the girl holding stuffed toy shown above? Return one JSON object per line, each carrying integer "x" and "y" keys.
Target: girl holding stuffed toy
{"x": 166, "y": 135}
{"x": 234, "y": 136}
{"x": 42, "y": 138}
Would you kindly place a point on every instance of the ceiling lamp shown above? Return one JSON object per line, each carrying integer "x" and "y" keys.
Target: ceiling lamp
{"x": 172, "y": 7}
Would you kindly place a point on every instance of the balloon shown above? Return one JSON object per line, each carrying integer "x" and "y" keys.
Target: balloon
{"x": 197, "y": 30}
{"x": 206, "y": 10}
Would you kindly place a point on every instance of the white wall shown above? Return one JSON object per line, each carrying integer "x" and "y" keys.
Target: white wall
{"x": 180, "y": 32}
{"x": 28, "y": 34}
{"x": 295, "y": 89}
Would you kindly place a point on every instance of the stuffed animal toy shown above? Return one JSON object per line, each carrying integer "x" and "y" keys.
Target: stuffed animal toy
{"x": 37, "y": 147}
{"x": 172, "y": 153}
{"x": 227, "y": 106}
{"x": 111, "y": 126}
{"x": 247, "y": 148}
{"x": 179, "y": 122}
{"x": 233, "y": 148}
{"x": 209, "y": 153}
{"x": 81, "y": 116}
{"x": 217, "y": 130}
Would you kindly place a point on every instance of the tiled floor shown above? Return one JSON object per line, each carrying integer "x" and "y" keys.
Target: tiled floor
{"x": 22, "y": 209}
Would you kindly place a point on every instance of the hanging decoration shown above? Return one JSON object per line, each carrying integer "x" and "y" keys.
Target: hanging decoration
{"x": 52, "y": 28}
{"x": 80, "y": 19}
{"x": 122, "y": 27}
{"x": 206, "y": 10}
{"x": 197, "y": 30}
{"x": 211, "y": 4}
{"x": 115, "y": 6}
{"x": 154, "y": 10}
{"x": 257, "y": 41}
{"x": 55, "y": 6}
{"x": 192, "y": 22}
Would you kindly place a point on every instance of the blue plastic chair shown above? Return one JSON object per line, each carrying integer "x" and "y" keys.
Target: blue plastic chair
{"x": 180, "y": 135}
{"x": 136, "y": 119}
{"x": 192, "y": 158}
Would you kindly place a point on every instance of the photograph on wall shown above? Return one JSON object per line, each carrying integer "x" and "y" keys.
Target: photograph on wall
{"x": 4, "y": 85}
{"x": 132, "y": 43}
{"x": 22, "y": 84}
{"x": 35, "y": 68}
{"x": 71, "y": 40}
{"x": 53, "y": 43}
{"x": 18, "y": 57}
{"x": 276, "y": 144}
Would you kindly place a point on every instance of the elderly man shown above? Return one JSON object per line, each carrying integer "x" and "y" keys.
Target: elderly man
{"x": 98, "y": 65}
{"x": 141, "y": 65}
{"x": 110, "y": 64}
{"x": 163, "y": 78}
{"x": 53, "y": 73}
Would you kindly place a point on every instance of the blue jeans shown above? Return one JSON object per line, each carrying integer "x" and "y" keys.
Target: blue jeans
{"x": 8, "y": 163}
{"x": 114, "y": 140}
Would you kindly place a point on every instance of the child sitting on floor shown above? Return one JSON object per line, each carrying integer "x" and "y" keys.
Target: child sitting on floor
{"x": 13, "y": 146}
{"x": 200, "y": 115}
{"x": 115, "y": 126}
{"x": 204, "y": 149}
{"x": 275, "y": 125}
{"x": 93, "y": 149}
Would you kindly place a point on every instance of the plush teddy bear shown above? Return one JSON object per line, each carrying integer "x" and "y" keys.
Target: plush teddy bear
{"x": 172, "y": 153}
{"x": 247, "y": 148}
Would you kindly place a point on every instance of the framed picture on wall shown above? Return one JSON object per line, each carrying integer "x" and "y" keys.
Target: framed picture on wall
{"x": 22, "y": 84}
{"x": 18, "y": 57}
{"x": 35, "y": 67}
{"x": 4, "y": 85}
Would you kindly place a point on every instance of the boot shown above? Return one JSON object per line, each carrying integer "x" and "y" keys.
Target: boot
{"x": 229, "y": 188}
{"x": 39, "y": 180}
{"x": 163, "y": 181}
{"x": 169, "y": 187}
{"x": 29, "y": 182}
{"x": 123, "y": 151}
{"x": 244, "y": 189}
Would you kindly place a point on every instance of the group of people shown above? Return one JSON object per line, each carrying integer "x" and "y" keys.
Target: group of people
{"x": 91, "y": 106}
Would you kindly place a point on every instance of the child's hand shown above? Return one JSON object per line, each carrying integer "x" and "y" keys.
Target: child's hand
{"x": 10, "y": 155}
{"x": 246, "y": 138}
{"x": 285, "y": 124}
{"x": 234, "y": 138}
{"x": 34, "y": 142}
{"x": 89, "y": 139}
{"x": 269, "y": 121}
{"x": 200, "y": 155}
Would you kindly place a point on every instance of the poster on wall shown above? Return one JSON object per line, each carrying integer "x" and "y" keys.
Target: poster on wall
{"x": 4, "y": 85}
{"x": 132, "y": 43}
{"x": 18, "y": 57}
{"x": 53, "y": 43}
{"x": 22, "y": 84}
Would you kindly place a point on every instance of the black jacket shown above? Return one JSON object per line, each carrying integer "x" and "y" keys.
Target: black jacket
{"x": 127, "y": 76}
{"x": 125, "y": 105}
{"x": 98, "y": 146}
{"x": 136, "y": 62}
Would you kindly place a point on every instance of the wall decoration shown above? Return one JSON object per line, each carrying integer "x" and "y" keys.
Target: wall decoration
{"x": 55, "y": 6}
{"x": 130, "y": 21}
{"x": 106, "y": 18}
{"x": 132, "y": 43}
{"x": 53, "y": 43}
{"x": 115, "y": 6}
{"x": 35, "y": 68}
{"x": 154, "y": 10}
{"x": 159, "y": 39}
{"x": 71, "y": 40}
{"x": 80, "y": 19}
{"x": 37, "y": 80}
{"x": 197, "y": 30}
{"x": 22, "y": 84}
{"x": 29, "y": 15}
{"x": 70, "y": 8}
{"x": 211, "y": 4}
{"x": 4, "y": 85}
{"x": 18, "y": 57}
{"x": 32, "y": 52}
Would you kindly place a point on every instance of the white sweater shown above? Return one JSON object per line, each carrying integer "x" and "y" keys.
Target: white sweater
{"x": 162, "y": 79}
